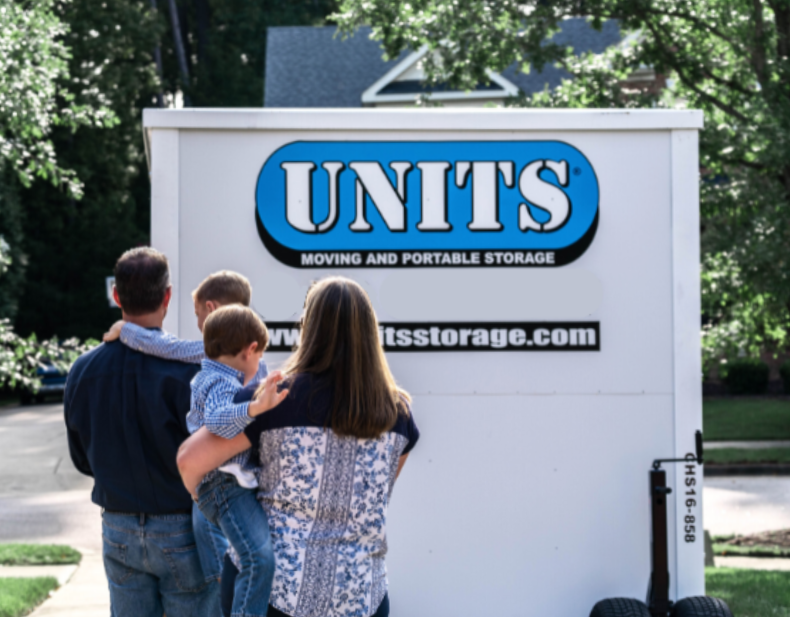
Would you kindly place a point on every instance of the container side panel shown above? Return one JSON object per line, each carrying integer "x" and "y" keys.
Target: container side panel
{"x": 165, "y": 178}
{"x": 690, "y": 578}
{"x": 528, "y": 492}
{"x": 623, "y": 280}
{"x": 524, "y": 505}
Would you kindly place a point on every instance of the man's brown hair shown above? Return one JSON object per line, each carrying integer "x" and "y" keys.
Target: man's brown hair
{"x": 141, "y": 278}
{"x": 230, "y": 329}
{"x": 224, "y": 287}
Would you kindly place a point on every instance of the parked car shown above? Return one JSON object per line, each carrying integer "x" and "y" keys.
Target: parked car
{"x": 53, "y": 383}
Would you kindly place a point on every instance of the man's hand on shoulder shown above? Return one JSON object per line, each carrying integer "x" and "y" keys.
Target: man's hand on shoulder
{"x": 114, "y": 333}
{"x": 267, "y": 397}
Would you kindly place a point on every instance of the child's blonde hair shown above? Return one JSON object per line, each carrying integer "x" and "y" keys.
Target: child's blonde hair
{"x": 224, "y": 287}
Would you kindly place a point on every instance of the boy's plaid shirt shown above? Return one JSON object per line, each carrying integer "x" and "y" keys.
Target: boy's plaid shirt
{"x": 215, "y": 385}
{"x": 213, "y": 389}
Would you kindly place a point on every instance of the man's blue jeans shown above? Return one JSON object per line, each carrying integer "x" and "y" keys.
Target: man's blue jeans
{"x": 211, "y": 542}
{"x": 237, "y": 512}
{"x": 153, "y": 567}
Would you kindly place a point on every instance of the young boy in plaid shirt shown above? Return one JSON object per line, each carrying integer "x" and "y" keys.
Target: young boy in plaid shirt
{"x": 234, "y": 339}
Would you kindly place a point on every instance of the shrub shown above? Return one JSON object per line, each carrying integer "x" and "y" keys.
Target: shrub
{"x": 747, "y": 376}
{"x": 20, "y": 358}
{"x": 784, "y": 371}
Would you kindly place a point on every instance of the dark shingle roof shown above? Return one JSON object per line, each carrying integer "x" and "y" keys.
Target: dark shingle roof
{"x": 576, "y": 33}
{"x": 313, "y": 67}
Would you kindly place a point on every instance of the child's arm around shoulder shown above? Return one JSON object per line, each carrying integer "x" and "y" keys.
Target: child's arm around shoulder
{"x": 156, "y": 343}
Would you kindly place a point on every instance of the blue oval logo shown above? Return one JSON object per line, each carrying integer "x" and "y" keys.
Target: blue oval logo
{"x": 412, "y": 204}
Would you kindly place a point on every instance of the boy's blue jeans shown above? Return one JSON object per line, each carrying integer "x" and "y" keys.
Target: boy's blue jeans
{"x": 152, "y": 567}
{"x": 237, "y": 512}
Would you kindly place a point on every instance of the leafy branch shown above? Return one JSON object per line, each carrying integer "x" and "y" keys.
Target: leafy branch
{"x": 36, "y": 93}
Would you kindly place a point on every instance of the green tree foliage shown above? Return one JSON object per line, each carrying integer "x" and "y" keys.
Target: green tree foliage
{"x": 5, "y": 258}
{"x": 726, "y": 57}
{"x": 36, "y": 93}
{"x": 12, "y": 259}
{"x": 71, "y": 245}
{"x": 20, "y": 358}
{"x": 226, "y": 46}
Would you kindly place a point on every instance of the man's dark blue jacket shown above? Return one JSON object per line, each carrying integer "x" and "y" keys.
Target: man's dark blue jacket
{"x": 126, "y": 417}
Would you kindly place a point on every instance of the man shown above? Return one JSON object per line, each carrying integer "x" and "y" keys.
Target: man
{"x": 126, "y": 417}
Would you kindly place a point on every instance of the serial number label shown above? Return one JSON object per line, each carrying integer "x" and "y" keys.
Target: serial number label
{"x": 690, "y": 518}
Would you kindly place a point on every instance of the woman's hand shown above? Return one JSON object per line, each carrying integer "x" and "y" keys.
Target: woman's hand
{"x": 203, "y": 452}
{"x": 267, "y": 397}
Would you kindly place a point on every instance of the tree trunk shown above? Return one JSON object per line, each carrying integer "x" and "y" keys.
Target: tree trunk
{"x": 183, "y": 20}
{"x": 179, "y": 45}
{"x": 203, "y": 18}
{"x": 160, "y": 98}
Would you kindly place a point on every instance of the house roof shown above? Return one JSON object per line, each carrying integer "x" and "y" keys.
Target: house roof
{"x": 576, "y": 33}
{"x": 315, "y": 67}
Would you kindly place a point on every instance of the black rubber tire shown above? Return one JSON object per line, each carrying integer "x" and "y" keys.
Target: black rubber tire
{"x": 620, "y": 607}
{"x": 701, "y": 606}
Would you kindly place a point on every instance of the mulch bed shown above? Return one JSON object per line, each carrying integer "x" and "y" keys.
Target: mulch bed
{"x": 780, "y": 538}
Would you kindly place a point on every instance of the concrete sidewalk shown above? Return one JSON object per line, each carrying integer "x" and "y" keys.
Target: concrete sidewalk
{"x": 44, "y": 499}
{"x": 61, "y": 573}
{"x": 746, "y": 445}
{"x": 753, "y": 563}
{"x": 85, "y": 595}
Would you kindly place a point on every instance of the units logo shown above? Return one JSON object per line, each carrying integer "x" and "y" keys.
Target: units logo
{"x": 427, "y": 204}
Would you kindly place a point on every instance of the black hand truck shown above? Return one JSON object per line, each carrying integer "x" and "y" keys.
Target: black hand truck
{"x": 658, "y": 603}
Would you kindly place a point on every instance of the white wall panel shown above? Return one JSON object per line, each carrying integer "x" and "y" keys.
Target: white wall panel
{"x": 528, "y": 492}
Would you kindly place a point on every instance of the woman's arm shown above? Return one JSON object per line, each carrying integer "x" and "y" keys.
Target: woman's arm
{"x": 203, "y": 452}
{"x": 401, "y": 463}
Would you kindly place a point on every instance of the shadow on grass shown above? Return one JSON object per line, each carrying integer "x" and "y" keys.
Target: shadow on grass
{"x": 746, "y": 418}
{"x": 38, "y": 555}
{"x": 750, "y": 593}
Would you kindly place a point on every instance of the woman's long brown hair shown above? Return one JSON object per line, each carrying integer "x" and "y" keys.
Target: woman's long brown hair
{"x": 340, "y": 342}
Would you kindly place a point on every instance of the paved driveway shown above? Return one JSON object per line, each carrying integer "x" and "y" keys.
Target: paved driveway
{"x": 43, "y": 498}
{"x": 744, "y": 505}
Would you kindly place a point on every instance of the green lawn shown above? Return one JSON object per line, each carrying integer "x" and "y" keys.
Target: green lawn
{"x": 737, "y": 455}
{"x": 19, "y": 596}
{"x": 37, "y": 555}
{"x": 745, "y": 418}
{"x": 750, "y": 593}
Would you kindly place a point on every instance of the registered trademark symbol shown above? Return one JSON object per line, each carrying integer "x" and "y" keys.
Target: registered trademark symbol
{"x": 577, "y": 171}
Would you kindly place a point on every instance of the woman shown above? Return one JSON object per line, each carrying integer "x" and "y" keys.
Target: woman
{"x": 329, "y": 457}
